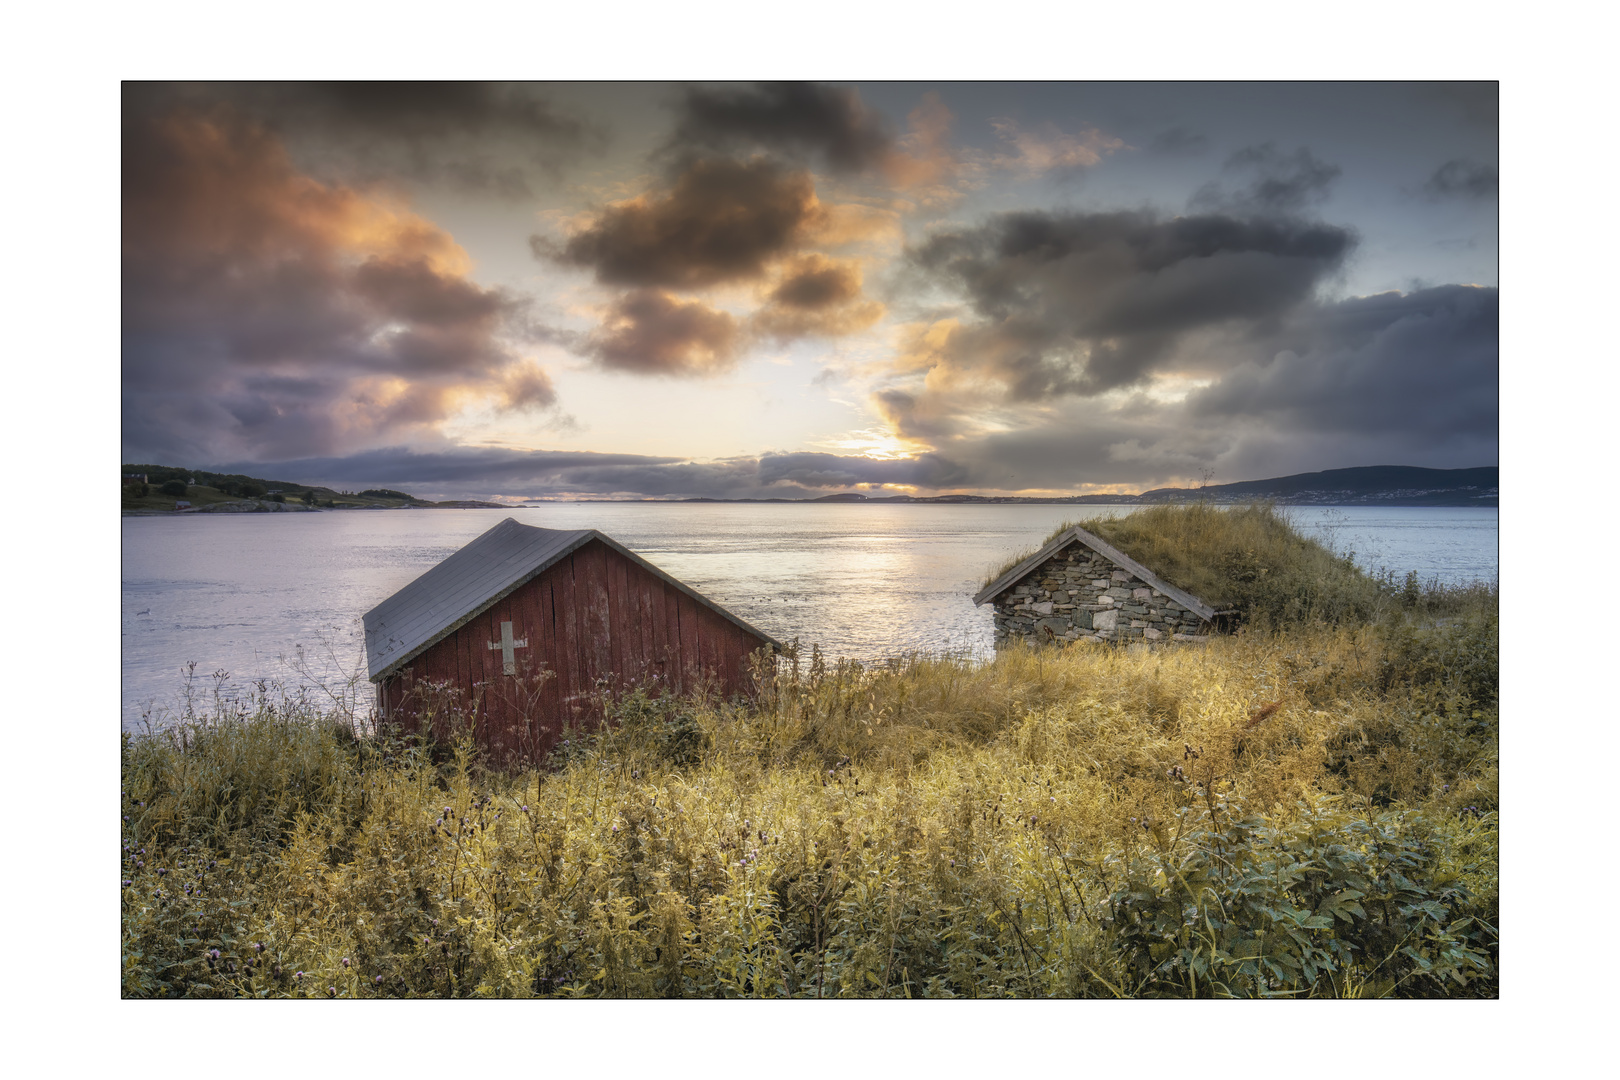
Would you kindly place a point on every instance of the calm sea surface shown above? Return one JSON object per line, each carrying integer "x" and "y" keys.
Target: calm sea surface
{"x": 242, "y": 593}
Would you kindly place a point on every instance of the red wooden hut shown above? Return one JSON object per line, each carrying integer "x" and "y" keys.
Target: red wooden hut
{"x": 525, "y": 629}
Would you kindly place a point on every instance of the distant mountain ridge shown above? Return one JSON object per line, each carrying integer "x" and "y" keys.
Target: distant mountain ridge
{"x": 1370, "y": 485}
{"x": 1386, "y": 485}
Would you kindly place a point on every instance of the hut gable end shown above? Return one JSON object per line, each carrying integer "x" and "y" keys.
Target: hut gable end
{"x": 1078, "y": 587}
{"x": 525, "y": 629}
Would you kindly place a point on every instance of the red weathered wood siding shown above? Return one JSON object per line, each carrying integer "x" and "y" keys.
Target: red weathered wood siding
{"x": 595, "y": 622}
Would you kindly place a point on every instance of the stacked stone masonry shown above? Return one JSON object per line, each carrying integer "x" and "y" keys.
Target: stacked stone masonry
{"x": 1078, "y": 595}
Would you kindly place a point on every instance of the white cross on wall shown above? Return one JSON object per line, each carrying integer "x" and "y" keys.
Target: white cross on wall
{"x": 506, "y": 645}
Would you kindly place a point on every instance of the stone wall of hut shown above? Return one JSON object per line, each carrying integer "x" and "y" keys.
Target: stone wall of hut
{"x": 1078, "y": 595}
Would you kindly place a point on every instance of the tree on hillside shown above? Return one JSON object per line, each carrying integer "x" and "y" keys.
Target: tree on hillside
{"x": 174, "y": 487}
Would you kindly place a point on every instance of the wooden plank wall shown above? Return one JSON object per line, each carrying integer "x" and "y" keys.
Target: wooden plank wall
{"x": 596, "y": 624}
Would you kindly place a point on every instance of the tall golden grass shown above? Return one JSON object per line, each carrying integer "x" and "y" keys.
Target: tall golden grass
{"x": 1301, "y": 814}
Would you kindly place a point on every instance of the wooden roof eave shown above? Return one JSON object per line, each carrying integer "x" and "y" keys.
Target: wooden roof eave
{"x": 1107, "y": 551}
{"x": 592, "y": 534}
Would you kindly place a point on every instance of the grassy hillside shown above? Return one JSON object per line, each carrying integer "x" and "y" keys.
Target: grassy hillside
{"x": 1311, "y": 814}
{"x": 1251, "y": 560}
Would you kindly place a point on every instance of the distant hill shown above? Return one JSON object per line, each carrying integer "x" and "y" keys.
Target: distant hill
{"x": 1372, "y": 485}
{"x": 206, "y": 490}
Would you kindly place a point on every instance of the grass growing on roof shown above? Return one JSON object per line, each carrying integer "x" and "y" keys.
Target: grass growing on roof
{"x": 1249, "y": 559}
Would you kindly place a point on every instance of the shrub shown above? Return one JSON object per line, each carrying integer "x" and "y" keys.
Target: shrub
{"x": 174, "y": 487}
{"x": 1330, "y": 904}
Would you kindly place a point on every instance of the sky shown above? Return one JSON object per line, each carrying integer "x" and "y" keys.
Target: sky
{"x": 789, "y": 290}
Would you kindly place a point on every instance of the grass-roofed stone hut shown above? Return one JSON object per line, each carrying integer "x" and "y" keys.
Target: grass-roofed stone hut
{"x": 1079, "y": 588}
{"x": 1169, "y": 571}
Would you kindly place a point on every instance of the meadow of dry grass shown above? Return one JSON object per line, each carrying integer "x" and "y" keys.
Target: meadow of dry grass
{"x": 1301, "y": 813}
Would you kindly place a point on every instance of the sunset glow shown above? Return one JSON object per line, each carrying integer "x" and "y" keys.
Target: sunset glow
{"x": 794, "y": 290}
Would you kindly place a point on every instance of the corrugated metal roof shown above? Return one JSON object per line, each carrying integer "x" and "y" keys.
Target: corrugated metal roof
{"x": 472, "y": 580}
{"x": 1107, "y": 551}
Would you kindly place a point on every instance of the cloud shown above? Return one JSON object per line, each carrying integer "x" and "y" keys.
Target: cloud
{"x": 649, "y": 332}
{"x": 489, "y": 138}
{"x": 816, "y": 297}
{"x": 815, "y": 470}
{"x": 490, "y": 471}
{"x": 1395, "y": 378}
{"x": 1460, "y": 178}
{"x": 799, "y": 120}
{"x": 1033, "y": 153}
{"x": 265, "y": 312}
{"x": 721, "y": 221}
{"x": 1083, "y": 303}
{"x": 1425, "y": 361}
{"x": 924, "y": 164}
{"x": 1282, "y": 184}
{"x": 1127, "y": 348}
{"x": 1404, "y": 378}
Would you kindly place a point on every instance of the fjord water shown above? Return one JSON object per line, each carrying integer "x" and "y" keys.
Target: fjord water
{"x": 241, "y": 593}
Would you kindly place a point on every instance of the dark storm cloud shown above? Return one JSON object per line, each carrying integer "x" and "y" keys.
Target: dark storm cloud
{"x": 1078, "y": 303}
{"x": 721, "y": 221}
{"x": 648, "y": 332}
{"x": 1426, "y": 361}
{"x": 483, "y": 137}
{"x": 265, "y": 312}
{"x": 1462, "y": 179}
{"x": 1371, "y": 380}
{"x": 797, "y": 119}
{"x": 1281, "y": 183}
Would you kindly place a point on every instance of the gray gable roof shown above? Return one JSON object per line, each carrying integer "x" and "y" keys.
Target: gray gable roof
{"x": 1107, "y": 551}
{"x": 472, "y": 580}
